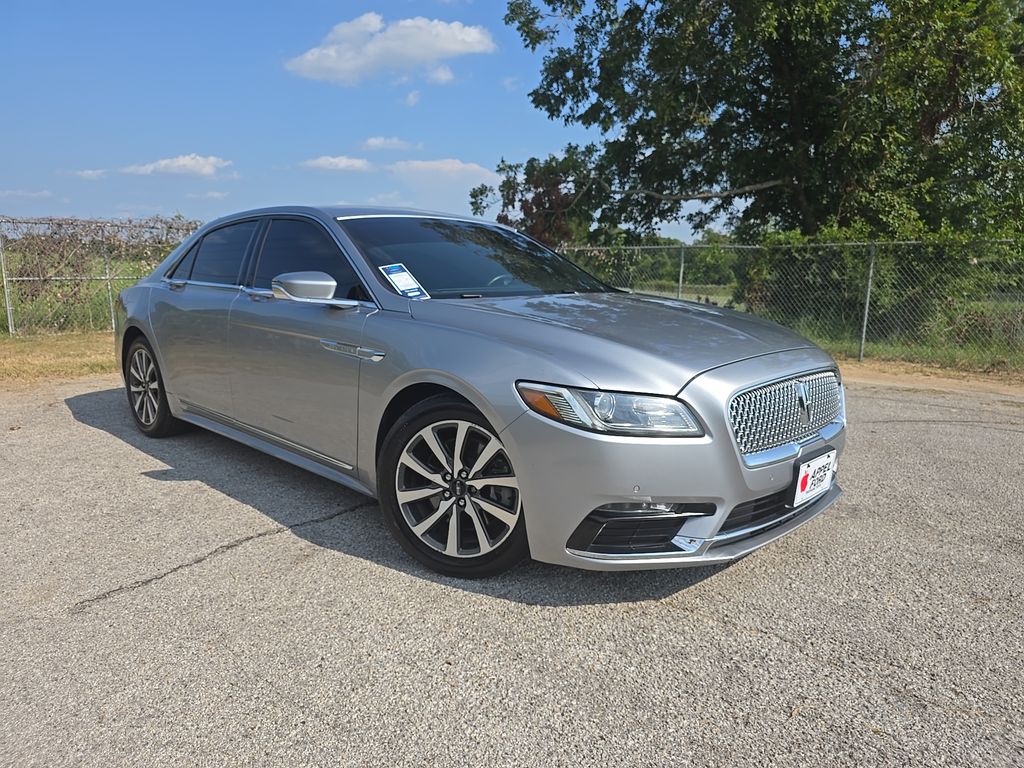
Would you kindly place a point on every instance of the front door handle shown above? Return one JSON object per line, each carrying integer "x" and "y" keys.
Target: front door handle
{"x": 177, "y": 285}
{"x": 363, "y": 353}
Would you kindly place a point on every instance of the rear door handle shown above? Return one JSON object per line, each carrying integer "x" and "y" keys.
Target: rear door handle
{"x": 176, "y": 285}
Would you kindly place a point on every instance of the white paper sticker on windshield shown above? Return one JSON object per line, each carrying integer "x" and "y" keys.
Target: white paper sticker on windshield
{"x": 404, "y": 282}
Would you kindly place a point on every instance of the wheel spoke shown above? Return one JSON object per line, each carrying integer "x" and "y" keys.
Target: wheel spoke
{"x": 439, "y": 453}
{"x": 488, "y": 453}
{"x": 428, "y": 522}
{"x": 460, "y": 443}
{"x": 499, "y": 482}
{"x": 411, "y": 462}
{"x": 137, "y": 405}
{"x": 407, "y": 497}
{"x": 451, "y": 546}
{"x": 502, "y": 514}
{"x": 481, "y": 534}
{"x": 136, "y": 388}
{"x": 152, "y": 402}
{"x": 136, "y": 367}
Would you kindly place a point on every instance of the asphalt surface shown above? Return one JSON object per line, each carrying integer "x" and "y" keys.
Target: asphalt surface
{"x": 193, "y": 602}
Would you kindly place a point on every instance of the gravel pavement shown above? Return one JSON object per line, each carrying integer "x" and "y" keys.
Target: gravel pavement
{"x": 190, "y": 601}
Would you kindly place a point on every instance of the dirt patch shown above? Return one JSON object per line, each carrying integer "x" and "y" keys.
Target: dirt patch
{"x": 913, "y": 376}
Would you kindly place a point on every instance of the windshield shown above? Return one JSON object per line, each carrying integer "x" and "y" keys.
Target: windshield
{"x": 465, "y": 259}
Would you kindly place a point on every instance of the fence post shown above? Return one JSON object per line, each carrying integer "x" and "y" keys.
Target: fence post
{"x": 867, "y": 303}
{"x": 682, "y": 262}
{"x": 7, "y": 288}
{"x": 110, "y": 291}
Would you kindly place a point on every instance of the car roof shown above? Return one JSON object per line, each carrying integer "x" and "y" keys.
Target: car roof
{"x": 347, "y": 212}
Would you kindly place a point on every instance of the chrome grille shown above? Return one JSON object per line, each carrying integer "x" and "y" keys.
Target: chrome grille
{"x": 769, "y": 416}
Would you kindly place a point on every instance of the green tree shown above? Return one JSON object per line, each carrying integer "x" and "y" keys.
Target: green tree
{"x": 904, "y": 115}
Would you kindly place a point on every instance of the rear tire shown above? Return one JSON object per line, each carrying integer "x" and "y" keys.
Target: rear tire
{"x": 146, "y": 395}
{"x": 448, "y": 491}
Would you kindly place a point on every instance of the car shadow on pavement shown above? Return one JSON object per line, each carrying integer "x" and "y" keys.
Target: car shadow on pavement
{"x": 331, "y": 516}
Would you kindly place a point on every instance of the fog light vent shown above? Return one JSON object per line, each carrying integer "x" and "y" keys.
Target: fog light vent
{"x": 634, "y": 527}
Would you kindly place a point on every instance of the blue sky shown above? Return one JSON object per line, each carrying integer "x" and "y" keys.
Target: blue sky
{"x": 116, "y": 109}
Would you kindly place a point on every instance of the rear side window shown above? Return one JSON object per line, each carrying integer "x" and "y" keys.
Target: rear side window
{"x": 220, "y": 255}
{"x": 183, "y": 268}
{"x": 302, "y": 246}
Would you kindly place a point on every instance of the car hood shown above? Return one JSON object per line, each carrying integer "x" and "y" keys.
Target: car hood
{"x": 619, "y": 340}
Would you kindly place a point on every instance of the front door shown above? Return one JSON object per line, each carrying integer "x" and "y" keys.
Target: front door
{"x": 295, "y": 374}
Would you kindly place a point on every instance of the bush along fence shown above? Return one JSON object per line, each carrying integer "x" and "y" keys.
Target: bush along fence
{"x": 956, "y": 303}
{"x": 64, "y": 274}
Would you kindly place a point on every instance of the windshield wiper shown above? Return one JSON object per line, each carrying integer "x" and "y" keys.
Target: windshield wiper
{"x": 471, "y": 295}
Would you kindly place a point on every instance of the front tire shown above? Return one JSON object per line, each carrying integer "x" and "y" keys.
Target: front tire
{"x": 449, "y": 493}
{"x": 146, "y": 394}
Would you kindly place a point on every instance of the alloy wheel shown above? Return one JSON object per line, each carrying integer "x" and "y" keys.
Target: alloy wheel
{"x": 457, "y": 490}
{"x": 144, "y": 386}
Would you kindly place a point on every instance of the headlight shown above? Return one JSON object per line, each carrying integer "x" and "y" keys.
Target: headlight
{"x": 617, "y": 413}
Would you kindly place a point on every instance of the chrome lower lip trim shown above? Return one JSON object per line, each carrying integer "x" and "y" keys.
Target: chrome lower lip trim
{"x": 690, "y": 547}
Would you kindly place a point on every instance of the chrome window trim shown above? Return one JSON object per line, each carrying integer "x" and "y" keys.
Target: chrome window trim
{"x": 202, "y": 283}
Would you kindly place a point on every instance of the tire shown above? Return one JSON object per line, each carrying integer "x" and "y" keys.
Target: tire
{"x": 482, "y": 507}
{"x": 147, "y": 399}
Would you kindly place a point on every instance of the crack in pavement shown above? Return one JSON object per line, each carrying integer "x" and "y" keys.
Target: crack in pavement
{"x": 81, "y": 605}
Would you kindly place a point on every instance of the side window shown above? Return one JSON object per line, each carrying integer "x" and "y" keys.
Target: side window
{"x": 183, "y": 268}
{"x": 221, "y": 252}
{"x": 302, "y": 246}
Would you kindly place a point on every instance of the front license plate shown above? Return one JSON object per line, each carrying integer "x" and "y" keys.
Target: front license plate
{"x": 814, "y": 477}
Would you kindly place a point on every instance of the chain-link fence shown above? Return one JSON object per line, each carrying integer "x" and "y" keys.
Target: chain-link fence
{"x": 64, "y": 274}
{"x": 951, "y": 304}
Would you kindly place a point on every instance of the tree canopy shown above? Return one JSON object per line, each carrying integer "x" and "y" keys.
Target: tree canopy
{"x": 900, "y": 116}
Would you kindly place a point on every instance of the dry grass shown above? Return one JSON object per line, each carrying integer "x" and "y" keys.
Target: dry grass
{"x": 65, "y": 356}
{"x": 30, "y": 359}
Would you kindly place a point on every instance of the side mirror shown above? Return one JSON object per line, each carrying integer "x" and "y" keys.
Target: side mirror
{"x": 309, "y": 288}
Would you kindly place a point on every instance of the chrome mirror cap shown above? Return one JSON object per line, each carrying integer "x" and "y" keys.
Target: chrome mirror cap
{"x": 309, "y": 288}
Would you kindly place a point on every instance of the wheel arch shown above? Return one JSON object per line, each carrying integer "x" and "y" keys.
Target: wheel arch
{"x": 407, "y": 398}
{"x": 131, "y": 333}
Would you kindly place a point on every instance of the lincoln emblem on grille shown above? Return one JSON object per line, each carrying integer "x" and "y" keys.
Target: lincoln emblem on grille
{"x": 803, "y": 401}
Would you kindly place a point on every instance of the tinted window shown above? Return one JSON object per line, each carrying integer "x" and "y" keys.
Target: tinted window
{"x": 453, "y": 259}
{"x": 302, "y": 246}
{"x": 221, "y": 252}
{"x": 183, "y": 268}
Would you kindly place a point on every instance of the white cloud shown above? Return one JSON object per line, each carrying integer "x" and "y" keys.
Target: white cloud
{"x": 211, "y": 195}
{"x": 192, "y": 165}
{"x": 412, "y": 98}
{"x": 388, "y": 143}
{"x": 385, "y": 198}
{"x": 338, "y": 163}
{"x": 510, "y": 83}
{"x": 93, "y": 173}
{"x": 26, "y": 193}
{"x": 367, "y": 46}
{"x": 448, "y": 167}
{"x": 441, "y": 74}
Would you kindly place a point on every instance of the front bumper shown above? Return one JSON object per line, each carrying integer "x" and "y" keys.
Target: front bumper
{"x": 565, "y": 474}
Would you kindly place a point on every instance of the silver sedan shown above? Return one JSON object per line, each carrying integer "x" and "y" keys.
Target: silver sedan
{"x": 500, "y": 402}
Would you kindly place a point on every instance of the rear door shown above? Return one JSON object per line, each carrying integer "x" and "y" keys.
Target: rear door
{"x": 189, "y": 311}
{"x": 296, "y": 375}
